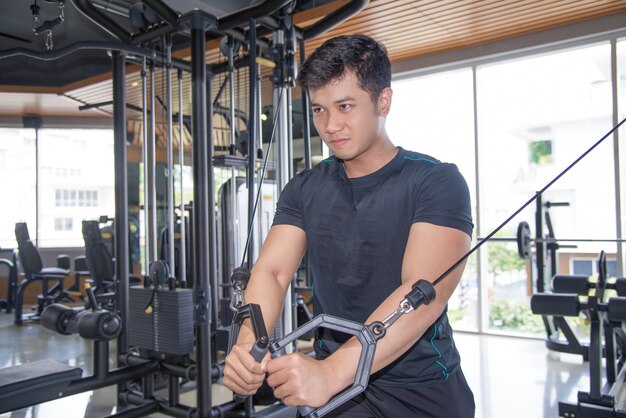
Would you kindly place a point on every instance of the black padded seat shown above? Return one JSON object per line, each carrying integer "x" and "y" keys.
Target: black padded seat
{"x": 54, "y": 271}
{"x": 34, "y": 271}
{"x": 99, "y": 260}
{"x": 11, "y": 265}
{"x": 32, "y": 383}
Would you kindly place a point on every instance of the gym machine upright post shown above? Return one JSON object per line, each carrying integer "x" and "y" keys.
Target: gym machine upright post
{"x": 547, "y": 250}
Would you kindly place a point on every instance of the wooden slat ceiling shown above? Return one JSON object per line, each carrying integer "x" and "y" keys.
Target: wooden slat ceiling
{"x": 411, "y": 29}
{"x": 408, "y": 28}
{"x": 20, "y": 104}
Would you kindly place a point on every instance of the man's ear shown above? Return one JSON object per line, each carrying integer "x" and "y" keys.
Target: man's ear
{"x": 384, "y": 101}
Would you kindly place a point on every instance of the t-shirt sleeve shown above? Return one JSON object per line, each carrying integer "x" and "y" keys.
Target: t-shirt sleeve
{"x": 289, "y": 207}
{"x": 443, "y": 199}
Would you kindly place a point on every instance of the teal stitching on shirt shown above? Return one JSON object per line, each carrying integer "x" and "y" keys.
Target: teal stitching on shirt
{"x": 445, "y": 369}
{"x": 320, "y": 343}
{"x": 420, "y": 159}
{"x": 328, "y": 160}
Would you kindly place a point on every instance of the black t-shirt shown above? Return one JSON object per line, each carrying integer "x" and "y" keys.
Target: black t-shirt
{"x": 357, "y": 230}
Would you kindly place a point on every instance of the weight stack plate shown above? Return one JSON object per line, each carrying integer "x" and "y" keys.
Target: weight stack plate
{"x": 169, "y": 327}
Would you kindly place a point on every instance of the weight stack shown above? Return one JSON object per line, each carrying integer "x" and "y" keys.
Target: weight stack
{"x": 169, "y": 327}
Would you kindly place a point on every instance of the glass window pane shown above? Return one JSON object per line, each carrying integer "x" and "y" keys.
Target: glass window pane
{"x": 90, "y": 152}
{"x": 611, "y": 268}
{"x": 433, "y": 115}
{"x": 621, "y": 105}
{"x": 17, "y": 153}
{"x": 535, "y": 117}
{"x": 584, "y": 267}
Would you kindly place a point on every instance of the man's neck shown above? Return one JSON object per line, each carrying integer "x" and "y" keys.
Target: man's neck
{"x": 371, "y": 161}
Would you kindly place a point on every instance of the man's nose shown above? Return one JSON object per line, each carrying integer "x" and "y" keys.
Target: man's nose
{"x": 334, "y": 123}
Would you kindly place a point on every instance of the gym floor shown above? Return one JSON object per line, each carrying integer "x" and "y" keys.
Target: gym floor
{"x": 511, "y": 377}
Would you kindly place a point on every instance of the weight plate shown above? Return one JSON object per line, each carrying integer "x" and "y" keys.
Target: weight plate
{"x": 524, "y": 241}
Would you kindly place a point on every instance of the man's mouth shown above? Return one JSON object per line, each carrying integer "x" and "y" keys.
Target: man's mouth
{"x": 339, "y": 141}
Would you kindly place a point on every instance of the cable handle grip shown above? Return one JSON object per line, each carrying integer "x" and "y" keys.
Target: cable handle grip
{"x": 260, "y": 346}
{"x": 259, "y": 349}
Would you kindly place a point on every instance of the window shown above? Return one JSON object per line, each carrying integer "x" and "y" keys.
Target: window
{"x": 82, "y": 175}
{"x": 63, "y": 224}
{"x": 421, "y": 121}
{"x": 588, "y": 267}
{"x": 621, "y": 106}
{"x": 81, "y": 198}
{"x": 527, "y": 110}
{"x": 18, "y": 148}
{"x": 535, "y": 115}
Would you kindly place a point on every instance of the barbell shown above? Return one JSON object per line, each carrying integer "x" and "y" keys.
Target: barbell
{"x": 525, "y": 241}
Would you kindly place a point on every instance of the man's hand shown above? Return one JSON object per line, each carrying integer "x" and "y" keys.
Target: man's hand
{"x": 242, "y": 374}
{"x": 301, "y": 381}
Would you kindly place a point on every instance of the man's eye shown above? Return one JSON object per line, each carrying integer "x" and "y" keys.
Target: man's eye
{"x": 317, "y": 109}
{"x": 345, "y": 106}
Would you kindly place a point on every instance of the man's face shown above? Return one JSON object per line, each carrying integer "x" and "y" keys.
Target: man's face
{"x": 347, "y": 119}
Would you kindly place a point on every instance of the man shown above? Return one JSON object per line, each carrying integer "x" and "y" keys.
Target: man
{"x": 375, "y": 219}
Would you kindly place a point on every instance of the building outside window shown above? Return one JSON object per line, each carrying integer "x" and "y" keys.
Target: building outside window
{"x": 76, "y": 182}
{"x": 19, "y": 179}
{"x": 82, "y": 187}
{"x": 63, "y": 224}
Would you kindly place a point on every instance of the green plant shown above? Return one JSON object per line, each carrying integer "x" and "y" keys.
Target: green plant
{"x": 456, "y": 314}
{"x": 540, "y": 152}
{"x": 502, "y": 259}
{"x": 514, "y": 316}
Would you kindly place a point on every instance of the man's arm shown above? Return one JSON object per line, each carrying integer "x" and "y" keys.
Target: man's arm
{"x": 270, "y": 278}
{"x": 430, "y": 251}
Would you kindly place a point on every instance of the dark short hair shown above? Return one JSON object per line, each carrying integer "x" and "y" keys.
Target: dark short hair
{"x": 360, "y": 54}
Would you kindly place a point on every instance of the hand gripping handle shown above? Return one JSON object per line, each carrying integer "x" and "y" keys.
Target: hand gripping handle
{"x": 368, "y": 342}
{"x": 258, "y": 351}
{"x": 260, "y": 346}
{"x": 422, "y": 292}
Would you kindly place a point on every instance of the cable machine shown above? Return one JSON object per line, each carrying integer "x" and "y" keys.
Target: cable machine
{"x": 197, "y": 304}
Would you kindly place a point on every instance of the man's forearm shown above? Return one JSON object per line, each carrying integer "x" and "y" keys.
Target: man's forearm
{"x": 399, "y": 338}
{"x": 265, "y": 290}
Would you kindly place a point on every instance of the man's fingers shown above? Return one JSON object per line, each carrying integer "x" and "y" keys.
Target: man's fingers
{"x": 243, "y": 354}
{"x": 264, "y": 362}
{"x": 237, "y": 388}
{"x": 242, "y": 373}
{"x": 242, "y": 382}
{"x": 277, "y": 380}
{"x": 282, "y": 362}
